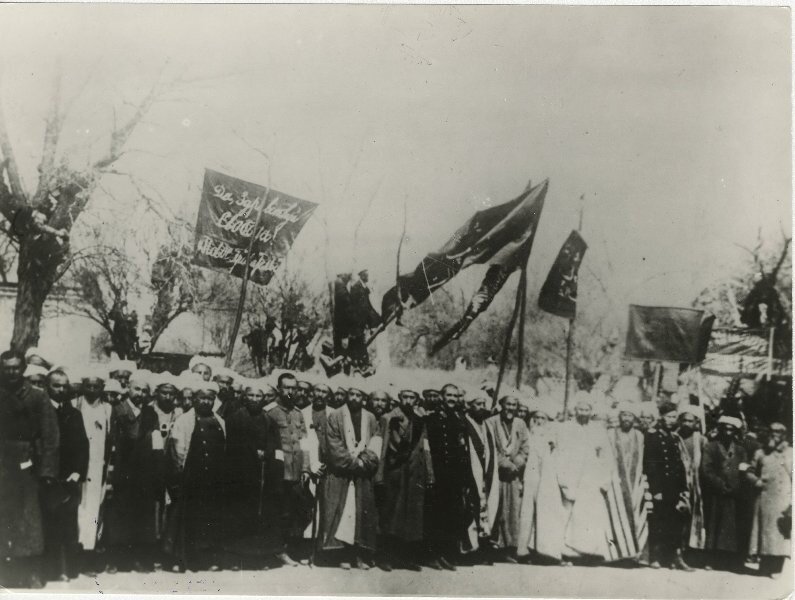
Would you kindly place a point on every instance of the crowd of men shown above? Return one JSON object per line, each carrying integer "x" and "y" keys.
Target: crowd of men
{"x": 115, "y": 468}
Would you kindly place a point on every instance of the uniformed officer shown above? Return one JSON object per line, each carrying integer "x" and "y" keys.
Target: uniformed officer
{"x": 665, "y": 471}
{"x": 292, "y": 428}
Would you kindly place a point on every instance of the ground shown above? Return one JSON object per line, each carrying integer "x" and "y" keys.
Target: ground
{"x": 498, "y": 580}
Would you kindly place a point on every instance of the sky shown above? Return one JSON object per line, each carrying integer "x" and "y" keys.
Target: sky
{"x": 672, "y": 123}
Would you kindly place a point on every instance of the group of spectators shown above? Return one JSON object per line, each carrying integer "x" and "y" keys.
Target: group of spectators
{"x": 116, "y": 468}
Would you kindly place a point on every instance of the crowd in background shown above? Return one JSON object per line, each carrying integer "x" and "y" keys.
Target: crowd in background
{"x": 110, "y": 467}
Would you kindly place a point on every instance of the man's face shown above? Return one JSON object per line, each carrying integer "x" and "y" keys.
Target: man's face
{"x": 364, "y": 276}
{"x": 687, "y": 423}
{"x": 224, "y": 383}
{"x": 647, "y": 421}
{"x": 777, "y": 435}
{"x": 303, "y": 394}
{"x": 123, "y": 377}
{"x": 378, "y": 403}
{"x": 187, "y": 398}
{"x": 320, "y": 395}
{"x": 451, "y": 396}
{"x": 203, "y": 371}
{"x": 539, "y": 419}
{"x": 38, "y": 381}
{"x": 669, "y": 420}
{"x": 727, "y": 432}
{"x": 339, "y": 398}
{"x": 509, "y": 406}
{"x": 11, "y": 370}
{"x": 522, "y": 413}
{"x": 112, "y": 398}
{"x": 431, "y": 399}
{"x": 166, "y": 397}
{"x": 355, "y": 399}
{"x": 477, "y": 409}
{"x": 626, "y": 420}
{"x": 582, "y": 413}
{"x": 92, "y": 388}
{"x": 255, "y": 400}
{"x": 203, "y": 403}
{"x": 269, "y": 395}
{"x": 138, "y": 392}
{"x": 58, "y": 387}
{"x": 408, "y": 399}
{"x": 287, "y": 389}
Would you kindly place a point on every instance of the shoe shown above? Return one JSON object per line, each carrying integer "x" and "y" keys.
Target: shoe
{"x": 384, "y": 566}
{"x": 214, "y": 568}
{"x": 35, "y": 583}
{"x": 62, "y": 577}
{"x": 679, "y": 564}
{"x": 511, "y": 560}
{"x": 345, "y": 566}
{"x": 178, "y": 569}
{"x": 362, "y": 564}
{"x": 286, "y": 560}
{"x": 654, "y": 564}
{"x": 446, "y": 564}
{"x": 112, "y": 569}
{"x": 410, "y": 566}
{"x": 434, "y": 564}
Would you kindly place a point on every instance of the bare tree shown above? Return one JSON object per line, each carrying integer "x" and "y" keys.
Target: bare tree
{"x": 41, "y": 219}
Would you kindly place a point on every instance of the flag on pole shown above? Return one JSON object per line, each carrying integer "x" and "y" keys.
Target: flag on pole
{"x": 501, "y": 265}
{"x": 494, "y": 236}
{"x": 559, "y": 292}
{"x": 667, "y": 334}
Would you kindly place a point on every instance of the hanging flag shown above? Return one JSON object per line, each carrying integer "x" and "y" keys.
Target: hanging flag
{"x": 497, "y": 275}
{"x": 559, "y": 292}
{"x": 227, "y": 220}
{"x": 492, "y": 236}
{"x": 666, "y": 333}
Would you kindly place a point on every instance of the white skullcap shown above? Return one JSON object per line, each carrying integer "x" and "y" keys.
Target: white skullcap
{"x": 224, "y": 372}
{"x": 356, "y": 382}
{"x": 649, "y": 409}
{"x": 546, "y": 407}
{"x": 92, "y": 372}
{"x": 111, "y": 385}
{"x": 191, "y": 381}
{"x": 206, "y": 386}
{"x": 122, "y": 365}
{"x": 337, "y": 382}
{"x": 582, "y": 397}
{"x": 725, "y": 420}
{"x": 694, "y": 409}
{"x": 164, "y": 378}
{"x": 199, "y": 360}
{"x": 142, "y": 377}
{"x": 34, "y": 370}
{"x": 632, "y": 408}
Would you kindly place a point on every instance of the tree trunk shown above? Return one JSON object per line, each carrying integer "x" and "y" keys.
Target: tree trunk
{"x": 40, "y": 258}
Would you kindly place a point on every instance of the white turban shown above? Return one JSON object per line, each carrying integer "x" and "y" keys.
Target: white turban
{"x": 206, "y": 386}
{"x": 141, "y": 377}
{"x": 725, "y": 420}
{"x": 199, "y": 360}
{"x": 629, "y": 407}
{"x": 34, "y": 370}
{"x": 111, "y": 385}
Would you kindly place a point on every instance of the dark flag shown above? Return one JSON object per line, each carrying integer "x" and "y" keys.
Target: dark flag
{"x": 227, "y": 220}
{"x": 665, "y": 333}
{"x": 559, "y": 292}
{"x": 502, "y": 265}
{"x": 492, "y": 236}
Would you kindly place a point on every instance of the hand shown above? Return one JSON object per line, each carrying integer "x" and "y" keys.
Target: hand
{"x": 759, "y": 484}
{"x": 657, "y": 497}
{"x": 73, "y": 478}
{"x": 305, "y": 478}
{"x": 260, "y": 454}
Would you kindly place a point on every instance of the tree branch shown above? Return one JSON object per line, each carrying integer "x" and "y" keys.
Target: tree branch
{"x": 52, "y": 133}
{"x": 10, "y": 164}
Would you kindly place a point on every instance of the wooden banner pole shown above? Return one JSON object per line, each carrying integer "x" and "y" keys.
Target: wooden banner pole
{"x": 520, "y": 339}
{"x": 507, "y": 345}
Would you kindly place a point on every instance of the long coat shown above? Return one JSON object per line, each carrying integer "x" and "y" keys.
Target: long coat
{"x": 73, "y": 458}
{"x": 254, "y": 484}
{"x": 513, "y": 446}
{"x": 28, "y": 451}
{"x": 346, "y": 519}
{"x": 721, "y": 476}
{"x": 404, "y": 471}
{"x": 769, "y": 535}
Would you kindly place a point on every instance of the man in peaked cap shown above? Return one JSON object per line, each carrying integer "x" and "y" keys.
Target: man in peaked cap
{"x": 665, "y": 471}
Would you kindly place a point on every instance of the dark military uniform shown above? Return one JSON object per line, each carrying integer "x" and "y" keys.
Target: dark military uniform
{"x": 292, "y": 429}
{"x": 446, "y": 517}
{"x": 665, "y": 471}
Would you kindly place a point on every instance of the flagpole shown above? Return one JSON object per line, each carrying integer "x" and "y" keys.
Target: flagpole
{"x": 570, "y": 333}
{"x": 520, "y": 340}
{"x": 507, "y": 343}
{"x": 244, "y": 285}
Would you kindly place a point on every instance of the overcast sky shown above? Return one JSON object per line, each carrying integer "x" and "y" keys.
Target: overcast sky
{"x": 673, "y": 122}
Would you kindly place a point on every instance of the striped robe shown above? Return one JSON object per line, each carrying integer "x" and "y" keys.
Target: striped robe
{"x": 627, "y": 500}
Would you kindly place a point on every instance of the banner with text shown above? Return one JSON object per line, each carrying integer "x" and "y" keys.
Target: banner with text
{"x": 227, "y": 221}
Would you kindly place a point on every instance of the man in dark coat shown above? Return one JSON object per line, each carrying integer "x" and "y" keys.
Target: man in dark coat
{"x": 61, "y": 515}
{"x": 341, "y": 317}
{"x": 404, "y": 473}
{"x": 722, "y": 475}
{"x": 255, "y": 479}
{"x": 362, "y": 317}
{"x": 665, "y": 471}
{"x": 447, "y": 515}
{"x": 28, "y": 463}
{"x": 130, "y": 525}
{"x": 195, "y": 475}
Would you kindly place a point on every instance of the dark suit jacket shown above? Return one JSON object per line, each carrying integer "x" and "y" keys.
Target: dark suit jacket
{"x": 74, "y": 442}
